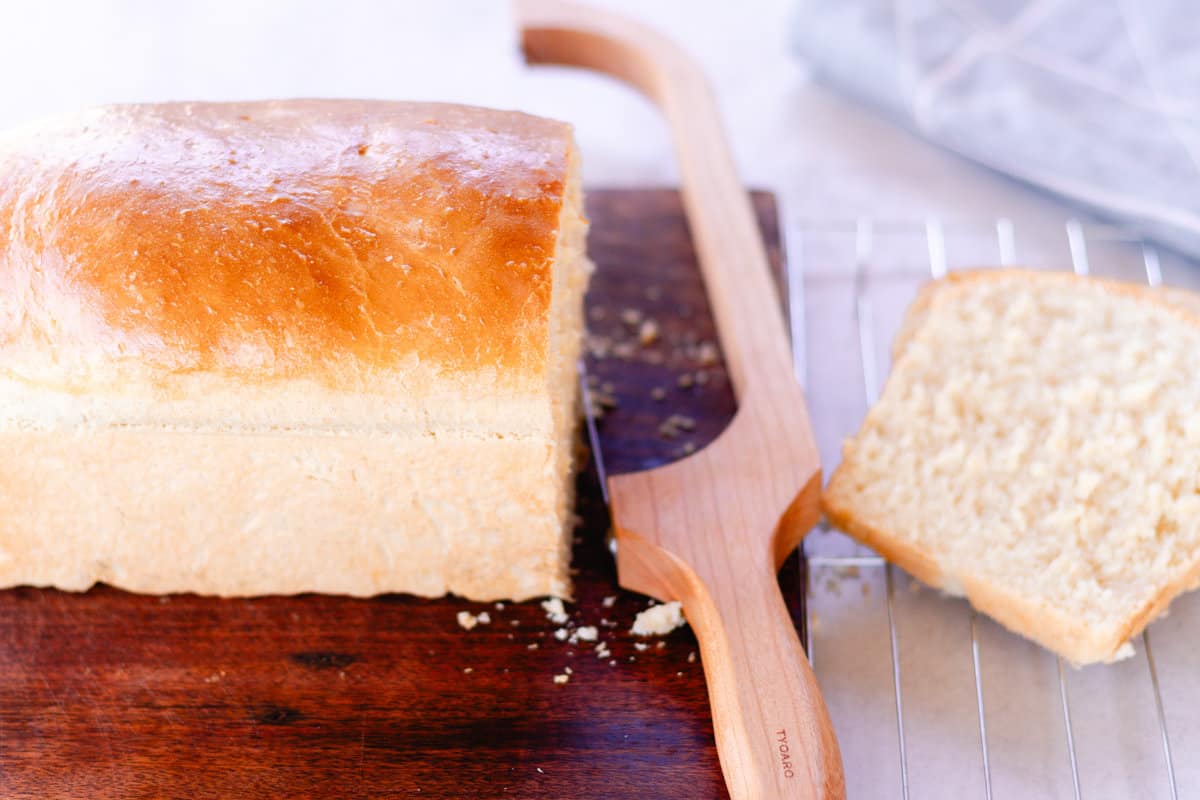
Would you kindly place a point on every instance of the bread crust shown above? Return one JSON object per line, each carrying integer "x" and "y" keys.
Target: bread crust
{"x": 316, "y": 239}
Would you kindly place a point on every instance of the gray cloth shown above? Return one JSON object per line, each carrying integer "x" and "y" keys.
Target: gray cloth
{"x": 1096, "y": 101}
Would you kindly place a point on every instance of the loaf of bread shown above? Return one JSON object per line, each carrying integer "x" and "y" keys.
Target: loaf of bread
{"x": 280, "y": 347}
{"x": 1037, "y": 448}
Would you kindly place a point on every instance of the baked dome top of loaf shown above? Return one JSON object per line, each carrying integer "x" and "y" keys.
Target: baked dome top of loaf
{"x": 280, "y": 239}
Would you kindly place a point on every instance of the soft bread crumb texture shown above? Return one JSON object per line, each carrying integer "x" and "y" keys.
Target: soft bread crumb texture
{"x": 1037, "y": 448}
{"x": 659, "y": 620}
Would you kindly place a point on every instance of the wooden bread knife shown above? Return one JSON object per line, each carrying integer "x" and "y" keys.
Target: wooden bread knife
{"x": 712, "y": 529}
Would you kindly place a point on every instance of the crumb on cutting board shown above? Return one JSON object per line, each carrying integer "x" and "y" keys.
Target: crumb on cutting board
{"x": 659, "y": 620}
{"x": 555, "y": 612}
{"x": 647, "y": 332}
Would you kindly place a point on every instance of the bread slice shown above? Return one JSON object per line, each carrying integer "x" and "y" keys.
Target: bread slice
{"x": 290, "y": 346}
{"x": 1037, "y": 449}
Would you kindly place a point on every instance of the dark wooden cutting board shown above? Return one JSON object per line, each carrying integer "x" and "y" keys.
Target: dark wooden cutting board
{"x": 109, "y": 694}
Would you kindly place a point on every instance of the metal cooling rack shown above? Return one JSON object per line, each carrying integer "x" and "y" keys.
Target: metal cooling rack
{"x": 936, "y": 720}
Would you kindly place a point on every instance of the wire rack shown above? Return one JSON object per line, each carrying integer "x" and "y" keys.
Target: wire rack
{"x": 930, "y": 699}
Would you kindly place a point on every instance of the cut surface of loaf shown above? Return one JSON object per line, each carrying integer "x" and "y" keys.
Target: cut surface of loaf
{"x": 290, "y": 346}
{"x": 1037, "y": 449}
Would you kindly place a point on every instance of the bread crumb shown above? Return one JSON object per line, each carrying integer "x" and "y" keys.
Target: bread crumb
{"x": 568, "y": 670}
{"x": 587, "y": 633}
{"x": 685, "y": 381}
{"x": 468, "y": 670}
{"x": 672, "y": 425}
{"x": 499, "y": 606}
{"x": 531, "y": 646}
{"x": 561, "y": 634}
{"x": 609, "y": 601}
{"x": 659, "y": 620}
{"x": 641, "y": 647}
{"x": 467, "y": 620}
{"x": 602, "y": 650}
{"x": 599, "y": 346}
{"x": 661, "y": 645}
{"x": 484, "y": 618}
{"x": 692, "y": 657}
{"x": 631, "y": 317}
{"x": 560, "y": 679}
{"x": 658, "y": 393}
{"x": 707, "y": 353}
{"x": 648, "y": 332}
{"x": 515, "y": 622}
{"x": 624, "y": 350}
{"x": 555, "y": 611}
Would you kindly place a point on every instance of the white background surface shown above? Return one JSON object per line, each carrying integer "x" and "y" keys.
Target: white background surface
{"x": 830, "y": 164}
{"x": 824, "y": 157}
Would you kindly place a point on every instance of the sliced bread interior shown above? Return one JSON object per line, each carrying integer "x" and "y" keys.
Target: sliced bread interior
{"x": 1037, "y": 449}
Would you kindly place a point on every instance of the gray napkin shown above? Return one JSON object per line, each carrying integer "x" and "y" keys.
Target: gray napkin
{"x": 1097, "y": 101}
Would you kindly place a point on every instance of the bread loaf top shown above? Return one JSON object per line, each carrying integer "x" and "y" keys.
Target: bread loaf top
{"x": 314, "y": 239}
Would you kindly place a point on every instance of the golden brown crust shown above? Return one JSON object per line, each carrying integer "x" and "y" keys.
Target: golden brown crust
{"x": 279, "y": 239}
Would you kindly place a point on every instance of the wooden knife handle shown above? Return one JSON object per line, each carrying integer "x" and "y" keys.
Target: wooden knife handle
{"x": 773, "y": 732}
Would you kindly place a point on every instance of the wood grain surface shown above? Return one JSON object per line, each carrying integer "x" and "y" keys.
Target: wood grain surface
{"x": 110, "y": 694}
